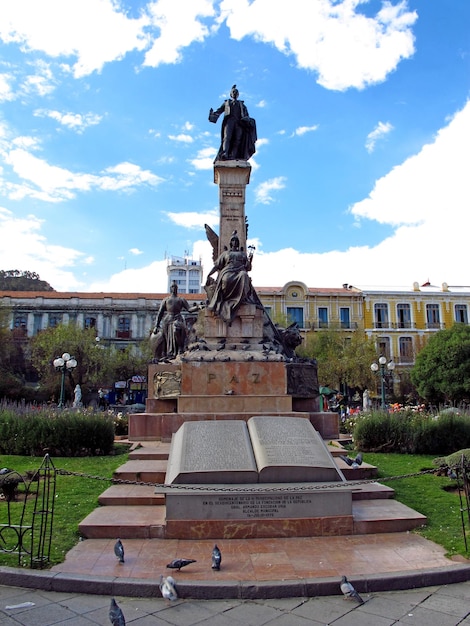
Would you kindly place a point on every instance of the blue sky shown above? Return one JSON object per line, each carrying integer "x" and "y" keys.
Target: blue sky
{"x": 361, "y": 173}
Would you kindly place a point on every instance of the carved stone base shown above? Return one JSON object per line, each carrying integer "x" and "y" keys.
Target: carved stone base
{"x": 247, "y": 325}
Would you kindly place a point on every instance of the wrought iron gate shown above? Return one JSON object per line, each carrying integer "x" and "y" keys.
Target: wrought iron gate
{"x": 30, "y": 513}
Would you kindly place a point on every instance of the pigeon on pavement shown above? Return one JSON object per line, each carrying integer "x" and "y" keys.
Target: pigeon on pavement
{"x": 179, "y": 563}
{"x": 116, "y": 616}
{"x": 216, "y": 557}
{"x": 349, "y": 591}
{"x": 168, "y": 588}
{"x": 119, "y": 550}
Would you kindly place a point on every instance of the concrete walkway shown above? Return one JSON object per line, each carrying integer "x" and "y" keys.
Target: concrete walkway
{"x": 442, "y": 605}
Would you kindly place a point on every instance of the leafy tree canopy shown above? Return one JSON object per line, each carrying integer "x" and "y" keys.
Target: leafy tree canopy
{"x": 442, "y": 368}
{"x": 97, "y": 365}
{"x": 16, "y": 280}
{"x": 342, "y": 358}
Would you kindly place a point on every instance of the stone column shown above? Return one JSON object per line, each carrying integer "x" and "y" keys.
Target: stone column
{"x": 232, "y": 178}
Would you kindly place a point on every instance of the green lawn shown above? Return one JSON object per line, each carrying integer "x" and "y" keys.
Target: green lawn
{"x": 426, "y": 494}
{"x": 78, "y": 496}
{"x": 75, "y": 496}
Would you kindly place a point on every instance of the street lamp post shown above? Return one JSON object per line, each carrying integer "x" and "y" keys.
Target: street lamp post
{"x": 64, "y": 363}
{"x": 382, "y": 367}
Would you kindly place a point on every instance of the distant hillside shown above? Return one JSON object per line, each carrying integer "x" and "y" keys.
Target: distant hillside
{"x": 15, "y": 280}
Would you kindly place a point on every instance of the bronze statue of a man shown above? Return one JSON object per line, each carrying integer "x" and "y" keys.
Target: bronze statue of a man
{"x": 238, "y": 134}
{"x": 168, "y": 338}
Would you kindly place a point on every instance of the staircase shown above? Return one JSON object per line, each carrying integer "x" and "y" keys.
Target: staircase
{"x": 135, "y": 511}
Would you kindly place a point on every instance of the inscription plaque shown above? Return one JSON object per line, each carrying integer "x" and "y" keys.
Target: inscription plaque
{"x": 257, "y": 503}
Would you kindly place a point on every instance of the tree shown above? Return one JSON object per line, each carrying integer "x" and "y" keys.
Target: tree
{"x": 442, "y": 368}
{"x": 16, "y": 280}
{"x": 342, "y": 358}
{"x": 12, "y": 362}
{"x": 97, "y": 365}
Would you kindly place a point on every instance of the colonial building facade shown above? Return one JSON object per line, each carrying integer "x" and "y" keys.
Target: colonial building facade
{"x": 399, "y": 320}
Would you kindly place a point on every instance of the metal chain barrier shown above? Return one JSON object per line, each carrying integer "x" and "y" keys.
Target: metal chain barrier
{"x": 301, "y": 487}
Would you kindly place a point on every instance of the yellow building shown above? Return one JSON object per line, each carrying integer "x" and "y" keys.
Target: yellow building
{"x": 402, "y": 320}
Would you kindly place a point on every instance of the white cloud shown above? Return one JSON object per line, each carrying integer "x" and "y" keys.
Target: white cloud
{"x": 50, "y": 183}
{"x": 6, "y": 92}
{"x": 150, "y": 279}
{"x": 379, "y": 132}
{"x": 94, "y": 32}
{"x": 302, "y": 130}
{"x": 334, "y": 39}
{"x": 182, "y": 137}
{"x": 23, "y": 247}
{"x": 75, "y": 121}
{"x": 342, "y": 45}
{"x": 135, "y": 251}
{"x": 190, "y": 219}
{"x": 204, "y": 159}
{"x": 179, "y": 26}
{"x": 263, "y": 191}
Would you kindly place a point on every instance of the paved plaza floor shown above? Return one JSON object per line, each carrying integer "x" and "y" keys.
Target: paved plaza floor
{"x": 442, "y": 605}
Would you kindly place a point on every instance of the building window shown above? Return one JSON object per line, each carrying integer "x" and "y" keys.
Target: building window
{"x": 54, "y": 319}
{"x": 123, "y": 328}
{"x": 90, "y": 322}
{"x": 20, "y": 320}
{"x": 268, "y": 310}
{"x": 406, "y": 349}
{"x": 323, "y": 317}
{"x": 37, "y": 325}
{"x": 432, "y": 316}
{"x": 461, "y": 314}
{"x": 383, "y": 347}
{"x": 296, "y": 314}
{"x": 345, "y": 317}
{"x": 404, "y": 315}
{"x": 381, "y": 315}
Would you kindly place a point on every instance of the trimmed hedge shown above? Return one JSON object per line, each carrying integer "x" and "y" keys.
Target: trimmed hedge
{"x": 60, "y": 433}
{"x": 412, "y": 433}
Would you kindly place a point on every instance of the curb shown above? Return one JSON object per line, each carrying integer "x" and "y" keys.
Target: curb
{"x": 241, "y": 590}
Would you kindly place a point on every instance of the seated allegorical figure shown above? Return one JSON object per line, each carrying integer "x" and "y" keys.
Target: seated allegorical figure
{"x": 232, "y": 286}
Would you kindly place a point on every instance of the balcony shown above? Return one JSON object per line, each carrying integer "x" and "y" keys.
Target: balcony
{"x": 435, "y": 325}
{"x": 319, "y": 325}
{"x": 394, "y": 325}
{"x": 123, "y": 334}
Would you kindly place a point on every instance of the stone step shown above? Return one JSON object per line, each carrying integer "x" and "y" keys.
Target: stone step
{"x": 363, "y": 472}
{"x": 126, "y": 522}
{"x": 372, "y": 491}
{"x": 384, "y": 516}
{"x": 131, "y": 495}
{"x": 150, "y": 451}
{"x": 147, "y": 522}
{"x": 145, "y": 471}
{"x": 144, "y": 495}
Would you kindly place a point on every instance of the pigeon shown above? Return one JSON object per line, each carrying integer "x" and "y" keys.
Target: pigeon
{"x": 119, "y": 551}
{"x": 349, "y": 591}
{"x": 451, "y": 474}
{"x": 179, "y": 563}
{"x": 168, "y": 588}
{"x": 216, "y": 557}
{"x": 352, "y": 462}
{"x": 116, "y": 616}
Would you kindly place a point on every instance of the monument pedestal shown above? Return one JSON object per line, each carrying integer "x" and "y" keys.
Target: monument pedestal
{"x": 228, "y": 389}
{"x": 278, "y": 480}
